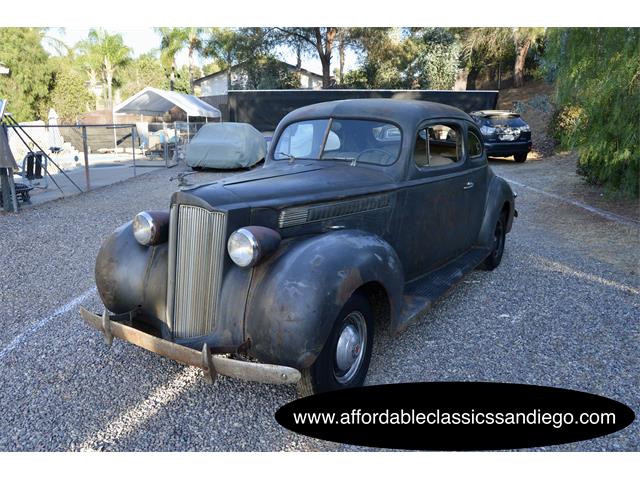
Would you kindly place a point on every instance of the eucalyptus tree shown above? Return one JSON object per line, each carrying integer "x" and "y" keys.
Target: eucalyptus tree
{"x": 483, "y": 45}
{"x": 320, "y": 40}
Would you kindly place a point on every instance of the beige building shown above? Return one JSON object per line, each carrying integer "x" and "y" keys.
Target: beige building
{"x": 216, "y": 83}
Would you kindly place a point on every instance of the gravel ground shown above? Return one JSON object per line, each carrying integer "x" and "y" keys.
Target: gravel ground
{"x": 561, "y": 310}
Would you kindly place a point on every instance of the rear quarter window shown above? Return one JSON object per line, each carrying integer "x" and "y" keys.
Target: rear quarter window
{"x": 474, "y": 144}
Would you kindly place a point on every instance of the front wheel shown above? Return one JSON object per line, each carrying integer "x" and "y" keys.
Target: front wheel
{"x": 499, "y": 237}
{"x": 520, "y": 157}
{"x": 344, "y": 360}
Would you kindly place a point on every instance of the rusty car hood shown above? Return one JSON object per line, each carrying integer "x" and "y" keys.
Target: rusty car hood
{"x": 287, "y": 184}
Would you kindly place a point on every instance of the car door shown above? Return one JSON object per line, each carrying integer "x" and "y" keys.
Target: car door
{"x": 432, "y": 224}
{"x": 476, "y": 186}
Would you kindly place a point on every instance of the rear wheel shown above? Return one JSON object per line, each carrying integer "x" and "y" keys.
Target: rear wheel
{"x": 520, "y": 157}
{"x": 499, "y": 237}
{"x": 344, "y": 360}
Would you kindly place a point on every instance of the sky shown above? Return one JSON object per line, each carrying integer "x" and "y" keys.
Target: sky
{"x": 141, "y": 40}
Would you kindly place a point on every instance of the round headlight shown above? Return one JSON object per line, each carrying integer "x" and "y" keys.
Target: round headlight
{"x": 151, "y": 228}
{"x": 248, "y": 245}
{"x": 243, "y": 248}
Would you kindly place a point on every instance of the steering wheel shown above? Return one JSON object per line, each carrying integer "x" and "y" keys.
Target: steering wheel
{"x": 387, "y": 154}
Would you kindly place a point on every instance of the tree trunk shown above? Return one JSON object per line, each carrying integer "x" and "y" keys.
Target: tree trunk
{"x": 110, "y": 91}
{"x": 341, "y": 65}
{"x": 172, "y": 78}
{"x": 326, "y": 71}
{"x": 191, "y": 71}
{"x": 93, "y": 84}
{"x": 324, "y": 52}
{"x": 472, "y": 77}
{"x": 521, "y": 57}
{"x": 298, "y": 56}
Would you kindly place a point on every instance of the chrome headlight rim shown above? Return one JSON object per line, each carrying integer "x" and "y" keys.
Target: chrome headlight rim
{"x": 252, "y": 241}
{"x": 262, "y": 242}
{"x": 144, "y": 228}
{"x": 151, "y": 227}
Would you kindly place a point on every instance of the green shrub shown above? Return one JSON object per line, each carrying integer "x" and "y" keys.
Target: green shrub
{"x": 597, "y": 74}
{"x": 564, "y": 123}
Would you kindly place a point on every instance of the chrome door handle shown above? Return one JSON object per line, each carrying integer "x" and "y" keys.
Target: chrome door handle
{"x": 468, "y": 185}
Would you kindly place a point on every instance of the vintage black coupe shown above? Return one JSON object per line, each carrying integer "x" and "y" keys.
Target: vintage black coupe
{"x": 365, "y": 212}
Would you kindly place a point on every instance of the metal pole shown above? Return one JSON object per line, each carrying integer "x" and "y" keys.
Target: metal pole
{"x": 115, "y": 141}
{"x": 85, "y": 149}
{"x": 165, "y": 148}
{"x": 133, "y": 148}
{"x": 9, "y": 200}
{"x": 12, "y": 187}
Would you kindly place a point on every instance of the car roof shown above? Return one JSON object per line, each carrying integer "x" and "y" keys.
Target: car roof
{"x": 396, "y": 111}
{"x": 490, "y": 113}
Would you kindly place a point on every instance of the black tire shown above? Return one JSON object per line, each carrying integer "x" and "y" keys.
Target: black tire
{"x": 499, "y": 238}
{"x": 325, "y": 375}
{"x": 520, "y": 157}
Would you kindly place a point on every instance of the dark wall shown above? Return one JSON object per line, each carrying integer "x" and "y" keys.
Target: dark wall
{"x": 220, "y": 102}
{"x": 265, "y": 108}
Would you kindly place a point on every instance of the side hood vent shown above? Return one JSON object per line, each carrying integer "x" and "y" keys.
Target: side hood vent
{"x": 293, "y": 216}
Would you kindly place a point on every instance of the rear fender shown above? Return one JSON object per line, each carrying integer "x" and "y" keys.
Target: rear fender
{"x": 499, "y": 193}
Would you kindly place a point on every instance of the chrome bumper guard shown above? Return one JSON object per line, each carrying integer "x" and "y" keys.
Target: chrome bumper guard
{"x": 212, "y": 365}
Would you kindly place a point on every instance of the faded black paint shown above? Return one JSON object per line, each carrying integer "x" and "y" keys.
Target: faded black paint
{"x": 286, "y": 304}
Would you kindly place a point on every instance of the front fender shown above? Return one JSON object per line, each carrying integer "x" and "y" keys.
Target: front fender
{"x": 131, "y": 276}
{"x": 296, "y": 295}
{"x": 499, "y": 193}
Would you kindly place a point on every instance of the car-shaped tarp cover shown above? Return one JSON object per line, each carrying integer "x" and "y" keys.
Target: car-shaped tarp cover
{"x": 226, "y": 145}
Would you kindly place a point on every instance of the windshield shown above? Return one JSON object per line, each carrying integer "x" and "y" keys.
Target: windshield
{"x": 355, "y": 141}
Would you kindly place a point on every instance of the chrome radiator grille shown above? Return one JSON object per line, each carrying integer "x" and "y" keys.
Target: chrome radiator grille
{"x": 197, "y": 252}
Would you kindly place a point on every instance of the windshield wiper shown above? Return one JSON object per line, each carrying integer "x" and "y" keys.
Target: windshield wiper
{"x": 290, "y": 157}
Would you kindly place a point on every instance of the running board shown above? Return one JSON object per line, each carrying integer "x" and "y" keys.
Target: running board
{"x": 420, "y": 295}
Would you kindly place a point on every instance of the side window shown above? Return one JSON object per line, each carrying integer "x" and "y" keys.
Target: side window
{"x": 438, "y": 145}
{"x": 475, "y": 145}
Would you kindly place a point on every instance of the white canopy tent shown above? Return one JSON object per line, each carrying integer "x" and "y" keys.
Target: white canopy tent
{"x": 153, "y": 101}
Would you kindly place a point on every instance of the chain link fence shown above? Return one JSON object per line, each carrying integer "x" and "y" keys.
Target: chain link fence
{"x": 59, "y": 160}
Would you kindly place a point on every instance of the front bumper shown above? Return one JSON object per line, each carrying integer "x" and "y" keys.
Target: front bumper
{"x": 212, "y": 365}
{"x": 507, "y": 149}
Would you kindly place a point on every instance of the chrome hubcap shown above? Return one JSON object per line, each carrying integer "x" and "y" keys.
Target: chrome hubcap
{"x": 350, "y": 348}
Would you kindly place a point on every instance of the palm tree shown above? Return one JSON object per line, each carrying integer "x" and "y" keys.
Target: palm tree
{"x": 193, "y": 36}
{"x": 54, "y": 42}
{"x": 105, "y": 54}
{"x": 223, "y": 46}
{"x": 172, "y": 40}
{"x": 229, "y": 46}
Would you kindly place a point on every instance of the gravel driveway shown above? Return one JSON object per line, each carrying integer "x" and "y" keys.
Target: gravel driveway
{"x": 561, "y": 310}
